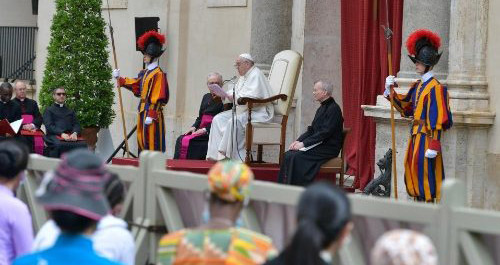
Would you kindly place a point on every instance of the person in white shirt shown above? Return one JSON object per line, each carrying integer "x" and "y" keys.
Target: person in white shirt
{"x": 111, "y": 239}
{"x": 252, "y": 84}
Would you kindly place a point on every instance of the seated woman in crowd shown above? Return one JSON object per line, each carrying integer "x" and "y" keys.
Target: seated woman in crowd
{"x": 16, "y": 232}
{"x": 111, "y": 239}
{"x": 193, "y": 144}
{"x": 73, "y": 196}
{"x": 323, "y": 223}
{"x": 404, "y": 247}
{"x": 218, "y": 241}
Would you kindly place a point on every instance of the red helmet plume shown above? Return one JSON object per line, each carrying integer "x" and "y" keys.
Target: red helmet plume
{"x": 149, "y": 37}
{"x": 431, "y": 37}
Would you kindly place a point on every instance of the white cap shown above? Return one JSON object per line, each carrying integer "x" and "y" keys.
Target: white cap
{"x": 247, "y": 56}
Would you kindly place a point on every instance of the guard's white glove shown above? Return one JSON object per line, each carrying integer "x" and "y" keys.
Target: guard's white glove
{"x": 389, "y": 81}
{"x": 148, "y": 120}
{"x": 116, "y": 73}
{"x": 429, "y": 153}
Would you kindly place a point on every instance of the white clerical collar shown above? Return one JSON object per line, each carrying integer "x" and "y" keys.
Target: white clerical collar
{"x": 60, "y": 105}
{"x": 152, "y": 66}
{"x": 427, "y": 76}
{"x": 21, "y": 99}
{"x": 4, "y": 102}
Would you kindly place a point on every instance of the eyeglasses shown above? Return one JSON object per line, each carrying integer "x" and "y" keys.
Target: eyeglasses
{"x": 60, "y": 94}
{"x": 213, "y": 83}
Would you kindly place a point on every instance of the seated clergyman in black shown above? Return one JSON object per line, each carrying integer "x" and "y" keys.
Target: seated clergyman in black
{"x": 62, "y": 127}
{"x": 321, "y": 142}
{"x": 9, "y": 109}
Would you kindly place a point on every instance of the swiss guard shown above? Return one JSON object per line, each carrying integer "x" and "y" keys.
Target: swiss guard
{"x": 152, "y": 87}
{"x": 427, "y": 102}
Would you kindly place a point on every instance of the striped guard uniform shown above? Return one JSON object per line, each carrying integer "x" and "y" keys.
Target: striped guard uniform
{"x": 152, "y": 87}
{"x": 427, "y": 102}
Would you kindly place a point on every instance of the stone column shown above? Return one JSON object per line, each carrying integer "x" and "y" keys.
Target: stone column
{"x": 271, "y": 33}
{"x": 462, "y": 69}
{"x": 429, "y": 14}
{"x": 271, "y": 30}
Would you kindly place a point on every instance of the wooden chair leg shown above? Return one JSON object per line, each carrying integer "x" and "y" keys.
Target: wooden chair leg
{"x": 259, "y": 153}
{"x": 282, "y": 153}
{"x": 341, "y": 179}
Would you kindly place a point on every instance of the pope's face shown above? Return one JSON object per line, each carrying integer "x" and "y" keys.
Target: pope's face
{"x": 242, "y": 66}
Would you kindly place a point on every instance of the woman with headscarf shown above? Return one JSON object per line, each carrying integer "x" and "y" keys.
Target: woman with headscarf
{"x": 323, "y": 223}
{"x": 218, "y": 241}
{"x": 16, "y": 230}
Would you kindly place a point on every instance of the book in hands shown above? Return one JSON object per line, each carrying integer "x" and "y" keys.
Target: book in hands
{"x": 303, "y": 149}
{"x": 218, "y": 91}
{"x": 10, "y": 128}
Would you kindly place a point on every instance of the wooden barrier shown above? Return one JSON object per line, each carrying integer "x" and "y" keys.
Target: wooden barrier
{"x": 457, "y": 231}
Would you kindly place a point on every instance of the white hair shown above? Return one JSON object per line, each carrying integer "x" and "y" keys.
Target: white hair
{"x": 326, "y": 86}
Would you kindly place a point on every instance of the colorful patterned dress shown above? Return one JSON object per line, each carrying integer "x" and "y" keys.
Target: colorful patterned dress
{"x": 152, "y": 87}
{"x": 233, "y": 246}
{"x": 428, "y": 104}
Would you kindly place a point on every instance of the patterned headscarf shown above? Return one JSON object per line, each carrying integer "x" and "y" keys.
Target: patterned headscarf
{"x": 404, "y": 247}
{"x": 230, "y": 180}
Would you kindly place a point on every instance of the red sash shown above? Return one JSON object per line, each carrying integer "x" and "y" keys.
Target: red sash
{"x": 205, "y": 121}
{"x": 37, "y": 135}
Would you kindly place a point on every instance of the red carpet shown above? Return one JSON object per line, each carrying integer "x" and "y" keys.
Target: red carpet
{"x": 266, "y": 172}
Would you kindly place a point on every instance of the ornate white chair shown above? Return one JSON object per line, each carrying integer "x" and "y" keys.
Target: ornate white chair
{"x": 283, "y": 78}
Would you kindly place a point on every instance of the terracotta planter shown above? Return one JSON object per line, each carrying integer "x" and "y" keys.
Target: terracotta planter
{"x": 90, "y": 136}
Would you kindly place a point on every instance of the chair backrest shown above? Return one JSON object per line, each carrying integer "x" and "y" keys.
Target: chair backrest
{"x": 283, "y": 78}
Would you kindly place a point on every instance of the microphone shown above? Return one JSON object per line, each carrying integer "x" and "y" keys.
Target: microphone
{"x": 230, "y": 80}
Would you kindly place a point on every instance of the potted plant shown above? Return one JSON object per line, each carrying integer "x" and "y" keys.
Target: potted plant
{"x": 78, "y": 61}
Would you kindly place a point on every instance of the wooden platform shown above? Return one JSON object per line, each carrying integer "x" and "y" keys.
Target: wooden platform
{"x": 265, "y": 172}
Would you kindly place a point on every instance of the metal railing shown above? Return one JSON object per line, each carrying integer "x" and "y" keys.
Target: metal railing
{"x": 17, "y": 52}
{"x": 457, "y": 231}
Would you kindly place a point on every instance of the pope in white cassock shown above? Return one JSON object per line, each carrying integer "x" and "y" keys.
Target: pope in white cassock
{"x": 252, "y": 84}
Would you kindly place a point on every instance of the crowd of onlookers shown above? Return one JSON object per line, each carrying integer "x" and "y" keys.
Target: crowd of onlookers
{"x": 83, "y": 200}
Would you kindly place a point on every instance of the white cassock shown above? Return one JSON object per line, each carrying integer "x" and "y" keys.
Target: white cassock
{"x": 253, "y": 85}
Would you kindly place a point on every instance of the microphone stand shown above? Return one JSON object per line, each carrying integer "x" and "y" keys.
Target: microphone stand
{"x": 233, "y": 119}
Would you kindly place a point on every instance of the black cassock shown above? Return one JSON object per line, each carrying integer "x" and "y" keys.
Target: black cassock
{"x": 301, "y": 167}
{"x": 30, "y": 107}
{"x": 12, "y": 112}
{"x": 59, "y": 120}
{"x": 197, "y": 146}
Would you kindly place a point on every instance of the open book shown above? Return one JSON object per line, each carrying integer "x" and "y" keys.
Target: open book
{"x": 303, "y": 149}
{"x": 217, "y": 90}
{"x": 10, "y": 128}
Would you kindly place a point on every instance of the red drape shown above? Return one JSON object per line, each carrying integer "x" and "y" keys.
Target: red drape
{"x": 364, "y": 68}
